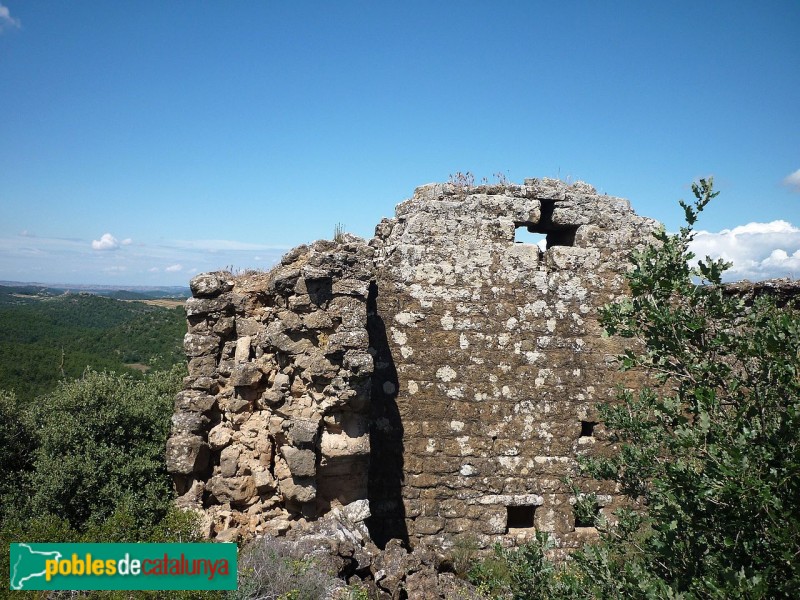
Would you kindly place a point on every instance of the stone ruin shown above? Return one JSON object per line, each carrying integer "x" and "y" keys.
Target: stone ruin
{"x": 436, "y": 381}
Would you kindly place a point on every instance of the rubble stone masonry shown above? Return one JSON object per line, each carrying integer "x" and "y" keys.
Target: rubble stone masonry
{"x": 436, "y": 381}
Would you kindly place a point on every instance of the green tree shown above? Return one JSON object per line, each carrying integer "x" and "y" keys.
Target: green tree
{"x": 709, "y": 453}
{"x": 100, "y": 448}
{"x": 16, "y": 448}
{"x": 85, "y": 463}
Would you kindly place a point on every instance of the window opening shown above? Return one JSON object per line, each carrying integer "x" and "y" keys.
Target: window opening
{"x": 519, "y": 517}
{"x": 587, "y": 428}
{"x": 524, "y": 235}
{"x": 549, "y": 234}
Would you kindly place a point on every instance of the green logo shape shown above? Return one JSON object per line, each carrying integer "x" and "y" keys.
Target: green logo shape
{"x": 123, "y": 566}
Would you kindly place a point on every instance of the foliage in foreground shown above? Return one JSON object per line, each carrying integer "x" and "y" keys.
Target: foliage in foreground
{"x": 709, "y": 454}
{"x": 86, "y": 464}
{"x": 273, "y": 568}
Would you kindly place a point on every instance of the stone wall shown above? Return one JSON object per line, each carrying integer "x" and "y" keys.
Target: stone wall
{"x": 274, "y": 422}
{"x": 437, "y": 380}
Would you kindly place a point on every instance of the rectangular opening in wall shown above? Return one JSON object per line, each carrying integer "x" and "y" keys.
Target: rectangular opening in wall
{"x": 519, "y": 517}
{"x": 525, "y": 234}
{"x": 587, "y": 428}
{"x": 545, "y": 233}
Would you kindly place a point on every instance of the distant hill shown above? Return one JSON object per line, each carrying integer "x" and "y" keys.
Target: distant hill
{"x": 134, "y": 292}
{"x": 47, "y": 334}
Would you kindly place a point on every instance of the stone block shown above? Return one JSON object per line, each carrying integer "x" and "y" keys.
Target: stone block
{"x": 303, "y": 431}
{"x": 236, "y": 490}
{"x": 186, "y": 454}
{"x": 298, "y": 490}
{"x": 189, "y": 422}
{"x": 200, "y": 345}
{"x": 219, "y": 436}
{"x": 196, "y": 307}
{"x": 264, "y": 482}
{"x": 228, "y": 460}
{"x": 246, "y": 375}
{"x": 302, "y": 463}
{"x": 357, "y": 511}
{"x": 242, "y": 353}
{"x": 207, "y": 285}
{"x": 428, "y": 525}
{"x": 194, "y": 401}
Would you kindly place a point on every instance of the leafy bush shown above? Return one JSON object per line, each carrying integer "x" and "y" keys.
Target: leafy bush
{"x": 586, "y": 510}
{"x": 465, "y": 549}
{"x": 710, "y": 451}
{"x": 277, "y": 569}
{"x": 100, "y": 448}
{"x": 16, "y": 447}
{"x": 86, "y": 464}
{"x": 522, "y": 572}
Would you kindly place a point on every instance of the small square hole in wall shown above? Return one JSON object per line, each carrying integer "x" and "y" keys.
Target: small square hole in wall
{"x": 519, "y": 517}
{"x": 587, "y": 428}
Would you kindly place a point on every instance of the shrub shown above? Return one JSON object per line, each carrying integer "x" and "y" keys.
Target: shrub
{"x": 338, "y": 233}
{"x": 463, "y": 182}
{"x": 100, "y": 450}
{"x": 16, "y": 449}
{"x": 465, "y": 549}
{"x": 711, "y": 450}
{"x": 280, "y": 570}
{"x": 522, "y": 572}
{"x": 90, "y": 468}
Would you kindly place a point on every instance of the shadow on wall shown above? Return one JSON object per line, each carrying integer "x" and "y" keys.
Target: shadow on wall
{"x": 385, "y": 437}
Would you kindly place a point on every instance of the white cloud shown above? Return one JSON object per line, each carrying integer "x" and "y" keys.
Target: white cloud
{"x": 792, "y": 181}
{"x": 85, "y": 260}
{"x": 117, "y": 269}
{"x": 126, "y": 242}
{"x": 757, "y": 250}
{"x": 106, "y": 242}
{"x": 6, "y": 20}
{"x": 781, "y": 260}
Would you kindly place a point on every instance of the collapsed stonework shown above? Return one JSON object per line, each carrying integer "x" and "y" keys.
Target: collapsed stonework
{"x": 436, "y": 381}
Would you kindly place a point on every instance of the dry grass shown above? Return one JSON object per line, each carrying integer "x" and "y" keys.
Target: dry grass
{"x": 162, "y": 302}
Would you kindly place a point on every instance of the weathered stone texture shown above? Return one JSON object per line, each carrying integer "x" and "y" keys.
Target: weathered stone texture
{"x": 497, "y": 348}
{"x": 442, "y": 372}
{"x": 278, "y": 363}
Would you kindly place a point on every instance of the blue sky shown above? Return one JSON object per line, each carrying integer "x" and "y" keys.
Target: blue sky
{"x": 142, "y": 142}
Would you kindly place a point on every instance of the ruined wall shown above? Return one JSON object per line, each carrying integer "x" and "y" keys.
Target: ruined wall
{"x": 437, "y": 380}
{"x": 498, "y": 352}
{"x": 273, "y": 425}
